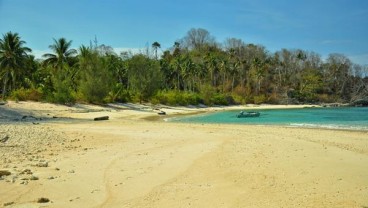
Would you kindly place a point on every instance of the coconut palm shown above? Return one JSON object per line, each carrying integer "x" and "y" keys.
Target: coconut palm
{"x": 13, "y": 56}
{"x": 62, "y": 53}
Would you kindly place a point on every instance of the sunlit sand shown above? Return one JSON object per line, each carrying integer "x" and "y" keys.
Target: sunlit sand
{"x": 135, "y": 159}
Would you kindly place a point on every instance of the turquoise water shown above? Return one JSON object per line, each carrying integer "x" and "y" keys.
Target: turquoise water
{"x": 335, "y": 118}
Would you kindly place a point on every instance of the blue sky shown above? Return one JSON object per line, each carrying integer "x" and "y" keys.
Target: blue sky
{"x": 322, "y": 26}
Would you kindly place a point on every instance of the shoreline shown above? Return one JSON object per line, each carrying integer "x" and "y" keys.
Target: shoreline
{"x": 49, "y": 111}
{"x": 54, "y": 113}
{"x": 177, "y": 119}
{"x": 188, "y": 111}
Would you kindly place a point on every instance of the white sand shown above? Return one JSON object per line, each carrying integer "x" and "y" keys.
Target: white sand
{"x": 128, "y": 161}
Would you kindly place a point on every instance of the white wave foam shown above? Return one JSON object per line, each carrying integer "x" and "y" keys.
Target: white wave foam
{"x": 329, "y": 126}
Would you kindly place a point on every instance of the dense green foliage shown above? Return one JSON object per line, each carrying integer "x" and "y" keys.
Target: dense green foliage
{"x": 196, "y": 70}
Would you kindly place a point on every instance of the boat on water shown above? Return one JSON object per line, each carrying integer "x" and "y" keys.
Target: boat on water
{"x": 243, "y": 114}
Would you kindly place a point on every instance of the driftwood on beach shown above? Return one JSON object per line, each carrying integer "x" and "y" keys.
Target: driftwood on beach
{"x": 101, "y": 118}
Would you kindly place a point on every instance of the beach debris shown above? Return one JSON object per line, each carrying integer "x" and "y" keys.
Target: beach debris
{"x": 31, "y": 117}
{"x": 74, "y": 199}
{"x": 4, "y": 139}
{"x": 4, "y": 173}
{"x": 71, "y": 171}
{"x": 8, "y": 204}
{"x": 14, "y": 179}
{"x": 43, "y": 200}
{"x": 24, "y": 183}
{"x": 101, "y": 118}
{"x": 43, "y": 164}
{"x": 26, "y": 171}
{"x": 31, "y": 178}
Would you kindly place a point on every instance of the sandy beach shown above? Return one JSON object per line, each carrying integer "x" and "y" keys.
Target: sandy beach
{"x": 57, "y": 156}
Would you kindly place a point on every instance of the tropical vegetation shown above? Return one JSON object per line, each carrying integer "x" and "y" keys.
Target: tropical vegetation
{"x": 196, "y": 70}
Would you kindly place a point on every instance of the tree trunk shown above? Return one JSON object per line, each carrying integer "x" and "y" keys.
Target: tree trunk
{"x": 232, "y": 84}
{"x": 4, "y": 86}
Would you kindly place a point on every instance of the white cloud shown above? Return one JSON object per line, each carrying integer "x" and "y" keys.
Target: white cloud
{"x": 335, "y": 42}
{"x": 39, "y": 53}
{"x": 134, "y": 51}
{"x": 361, "y": 59}
{"x": 130, "y": 50}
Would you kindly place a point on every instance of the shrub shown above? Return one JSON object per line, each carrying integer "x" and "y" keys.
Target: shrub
{"x": 192, "y": 98}
{"x": 63, "y": 93}
{"x": 27, "y": 94}
{"x": 159, "y": 98}
{"x": 259, "y": 99}
{"x": 219, "y": 99}
{"x": 118, "y": 95}
{"x": 238, "y": 99}
{"x": 176, "y": 98}
{"x": 274, "y": 98}
{"x": 325, "y": 98}
{"x": 207, "y": 93}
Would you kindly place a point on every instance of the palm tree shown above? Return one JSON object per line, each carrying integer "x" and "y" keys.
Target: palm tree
{"x": 62, "y": 54}
{"x": 257, "y": 71}
{"x": 155, "y": 46}
{"x": 211, "y": 62}
{"x": 13, "y": 56}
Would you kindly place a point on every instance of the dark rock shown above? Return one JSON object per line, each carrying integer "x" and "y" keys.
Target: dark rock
{"x": 360, "y": 102}
{"x": 4, "y": 173}
{"x": 8, "y": 204}
{"x": 101, "y": 118}
{"x": 30, "y": 118}
{"x": 43, "y": 200}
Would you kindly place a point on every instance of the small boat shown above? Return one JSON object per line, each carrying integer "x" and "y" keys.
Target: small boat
{"x": 162, "y": 113}
{"x": 243, "y": 114}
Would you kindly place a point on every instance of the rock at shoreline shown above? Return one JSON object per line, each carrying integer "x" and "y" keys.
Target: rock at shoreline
{"x": 30, "y": 118}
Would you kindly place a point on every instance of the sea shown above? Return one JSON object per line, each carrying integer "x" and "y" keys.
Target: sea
{"x": 349, "y": 118}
